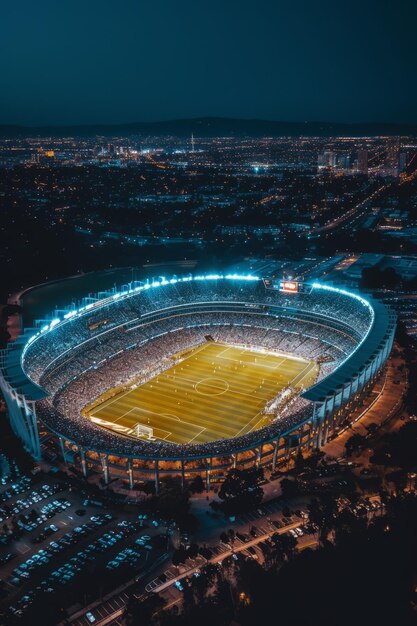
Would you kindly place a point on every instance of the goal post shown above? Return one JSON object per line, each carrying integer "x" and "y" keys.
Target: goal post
{"x": 142, "y": 432}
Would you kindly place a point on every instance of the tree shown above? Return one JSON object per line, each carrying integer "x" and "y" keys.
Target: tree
{"x": 399, "y": 478}
{"x": 284, "y": 545}
{"x": 322, "y": 512}
{"x": 299, "y": 463}
{"x": 399, "y": 449}
{"x": 224, "y": 537}
{"x": 289, "y": 488}
{"x": 159, "y": 542}
{"x": 196, "y": 485}
{"x": 354, "y": 443}
{"x": 314, "y": 459}
{"x": 173, "y": 503}
{"x": 179, "y": 556}
{"x": 141, "y": 612}
{"x": 240, "y": 491}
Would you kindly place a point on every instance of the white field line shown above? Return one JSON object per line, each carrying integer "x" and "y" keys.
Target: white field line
{"x": 166, "y": 416}
{"x": 198, "y": 434}
{"x": 247, "y": 424}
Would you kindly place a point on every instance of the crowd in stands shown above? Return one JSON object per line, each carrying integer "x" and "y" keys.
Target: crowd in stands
{"x": 82, "y": 359}
{"x": 92, "y": 437}
{"x": 279, "y": 334}
{"x": 149, "y": 357}
{"x": 127, "y": 312}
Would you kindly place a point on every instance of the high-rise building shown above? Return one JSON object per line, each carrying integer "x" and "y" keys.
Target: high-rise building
{"x": 343, "y": 161}
{"x": 331, "y": 158}
{"x": 402, "y": 162}
{"x": 392, "y": 158}
{"x": 327, "y": 159}
{"x": 363, "y": 162}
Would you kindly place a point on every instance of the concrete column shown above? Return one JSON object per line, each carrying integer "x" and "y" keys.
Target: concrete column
{"x": 319, "y": 426}
{"x": 274, "y": 456}
{"x": 259, "y": 455}
{"x": 325, "y": 434}
{"x": 130, "y": 473}
{"x": 287, "y": 447}
{"x": 208, "y": 471}
{"x": 61, "y": 441}
{"x": 156, "y": 476}
{"x": 104, "y": 462}
{"x": 83, "y": 462}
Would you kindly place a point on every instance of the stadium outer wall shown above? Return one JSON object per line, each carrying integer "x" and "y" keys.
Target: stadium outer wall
{"x": 332, "y": 400}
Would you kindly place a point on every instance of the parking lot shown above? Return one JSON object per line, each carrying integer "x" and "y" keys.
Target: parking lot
{"x": 53, "y": 538}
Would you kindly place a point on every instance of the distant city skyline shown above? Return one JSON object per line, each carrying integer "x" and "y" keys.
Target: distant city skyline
{"x": 110, "y": 63}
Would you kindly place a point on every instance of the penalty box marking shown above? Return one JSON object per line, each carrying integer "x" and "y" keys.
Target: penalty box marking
{"x": 255, "y": 355}
{"x": 260, "y": 412}
{"x": 168, "y": 416}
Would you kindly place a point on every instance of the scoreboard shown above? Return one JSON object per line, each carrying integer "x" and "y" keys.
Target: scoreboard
{"x": 287, "y": 286}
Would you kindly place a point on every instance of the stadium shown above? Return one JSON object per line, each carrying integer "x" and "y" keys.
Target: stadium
{"x": 194, "y": 375}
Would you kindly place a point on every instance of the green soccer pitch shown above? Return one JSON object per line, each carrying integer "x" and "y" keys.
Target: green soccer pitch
{"x": 217, "y": 391}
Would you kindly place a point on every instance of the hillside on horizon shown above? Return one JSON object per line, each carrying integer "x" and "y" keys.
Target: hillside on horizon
{"x": 212, "y": 127}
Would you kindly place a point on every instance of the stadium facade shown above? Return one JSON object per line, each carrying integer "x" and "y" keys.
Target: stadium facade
{"x": 55, "y": 369}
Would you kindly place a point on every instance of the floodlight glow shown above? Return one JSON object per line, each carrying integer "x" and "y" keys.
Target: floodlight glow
{"x": 200, "y": 277}
{"x": 241, "y": 277}
{"x": 344, "y": 293}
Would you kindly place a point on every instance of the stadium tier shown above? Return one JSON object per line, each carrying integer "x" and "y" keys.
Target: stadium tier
{"x": 193, "y": 375}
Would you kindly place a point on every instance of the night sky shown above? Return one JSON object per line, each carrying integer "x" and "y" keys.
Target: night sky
{"x": 102, "y": 61}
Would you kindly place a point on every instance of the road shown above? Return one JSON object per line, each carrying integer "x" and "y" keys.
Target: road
{"x": 354, "y": 213}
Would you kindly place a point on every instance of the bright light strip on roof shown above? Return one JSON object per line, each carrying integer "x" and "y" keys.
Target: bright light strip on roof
{"x": 69, "y": 314}
{"x": 343, "y": 292}
{"x": 364, "y": 302}
{"x": 148, "y": 285}
{"x": 172, "y": 281}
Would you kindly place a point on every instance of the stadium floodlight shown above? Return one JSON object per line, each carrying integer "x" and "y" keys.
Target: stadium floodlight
{"x": 241, "y": 277}
{"x": 343, "y": 292}
{"x": 148, "y": 285}
{"x": 70, "y": 314}
{"x": 199, "y": 277}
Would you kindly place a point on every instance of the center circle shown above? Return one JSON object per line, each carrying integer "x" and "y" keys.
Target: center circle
{"x": 212, "y": 386}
